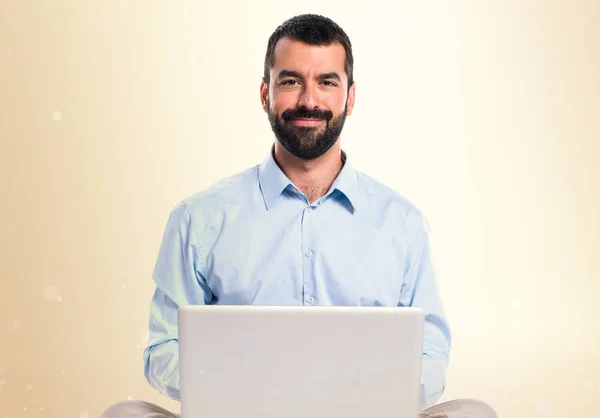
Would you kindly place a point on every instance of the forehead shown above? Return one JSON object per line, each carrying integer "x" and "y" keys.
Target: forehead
{"x": 299, "y": 56}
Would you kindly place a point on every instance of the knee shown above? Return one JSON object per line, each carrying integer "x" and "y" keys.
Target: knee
{"x": 480, "y": 409}
{"x": 473, "y": 408}
{"x": 129, "y": 409}
{"x": 483, "y": 409}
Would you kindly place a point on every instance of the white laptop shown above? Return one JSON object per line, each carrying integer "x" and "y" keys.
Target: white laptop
{"x": 300, "y": 362}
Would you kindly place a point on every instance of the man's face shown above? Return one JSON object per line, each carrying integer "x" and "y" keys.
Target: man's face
{"x": 307, "y": 98}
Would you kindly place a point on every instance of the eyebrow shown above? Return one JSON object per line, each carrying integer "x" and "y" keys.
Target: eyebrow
{"x": 296, "y": 74}
{"x": 332, "y": 75}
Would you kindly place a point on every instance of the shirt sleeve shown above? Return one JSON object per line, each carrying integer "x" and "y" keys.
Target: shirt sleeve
{"x": 421, "y": 290}
{"x": 179, "y": 281}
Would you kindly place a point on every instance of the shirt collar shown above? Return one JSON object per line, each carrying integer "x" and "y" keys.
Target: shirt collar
{"x": 273, "y": 181}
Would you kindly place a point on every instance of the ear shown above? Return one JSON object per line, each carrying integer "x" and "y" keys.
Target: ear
{"x": 350, "y": 99}
{"x": 264, "y": 95}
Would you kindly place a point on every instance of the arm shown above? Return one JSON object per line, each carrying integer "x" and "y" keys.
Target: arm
{"x": 178, "y": 279}
{"x": 422, "y": 290}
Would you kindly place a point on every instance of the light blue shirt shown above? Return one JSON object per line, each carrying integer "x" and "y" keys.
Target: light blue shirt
{"x": 253, "y": 238}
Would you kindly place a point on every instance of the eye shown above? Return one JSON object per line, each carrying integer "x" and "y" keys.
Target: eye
{"x": 287, "y": 82}
{"x": 329, "y": 83}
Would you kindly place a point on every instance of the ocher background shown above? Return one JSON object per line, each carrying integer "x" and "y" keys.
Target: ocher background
{"x": 483, "y": 114}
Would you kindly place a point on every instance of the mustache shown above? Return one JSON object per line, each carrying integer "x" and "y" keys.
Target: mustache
{"x": 304, "y": 113}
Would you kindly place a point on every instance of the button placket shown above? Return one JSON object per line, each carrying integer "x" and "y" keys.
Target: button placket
{"x": 308, "y": 284}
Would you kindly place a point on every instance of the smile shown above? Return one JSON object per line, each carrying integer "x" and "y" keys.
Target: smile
{"x": 307, "y": 122}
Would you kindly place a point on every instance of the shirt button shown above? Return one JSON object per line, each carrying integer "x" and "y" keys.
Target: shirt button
{"x": 310, "y": 299}
{"x": 309, "y": 209}
{"x": 308, "y": 253}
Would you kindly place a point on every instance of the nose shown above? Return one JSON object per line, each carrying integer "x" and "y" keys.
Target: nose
{"x": 307, "y": 97}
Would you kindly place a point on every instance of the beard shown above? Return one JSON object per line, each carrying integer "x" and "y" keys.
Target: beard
{"x": 307, "y": 142}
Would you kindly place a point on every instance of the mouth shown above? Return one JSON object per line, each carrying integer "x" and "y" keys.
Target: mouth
{"x": 307, "y": 122}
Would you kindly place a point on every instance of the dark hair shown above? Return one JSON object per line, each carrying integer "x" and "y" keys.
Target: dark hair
{"x": 313, "y": 30}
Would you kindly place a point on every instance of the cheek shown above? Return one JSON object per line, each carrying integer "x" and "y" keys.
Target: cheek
{"x": 335, "y": 103}
{"x": 280, "y": 104}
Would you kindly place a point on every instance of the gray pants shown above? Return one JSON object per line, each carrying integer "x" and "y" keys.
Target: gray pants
{"x": 459, "y": 408}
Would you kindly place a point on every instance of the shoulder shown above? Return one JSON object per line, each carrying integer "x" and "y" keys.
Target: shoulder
{"x": 224, "y": 191}
{"x": 206, "y": 204}
{"x": 381, "y": 194}
{"x": 386, "y": 201}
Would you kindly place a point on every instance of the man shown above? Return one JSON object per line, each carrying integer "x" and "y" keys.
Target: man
{"x": 302, "y": 228}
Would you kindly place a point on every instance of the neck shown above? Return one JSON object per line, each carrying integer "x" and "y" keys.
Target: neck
{"x": 312, "y": 177}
